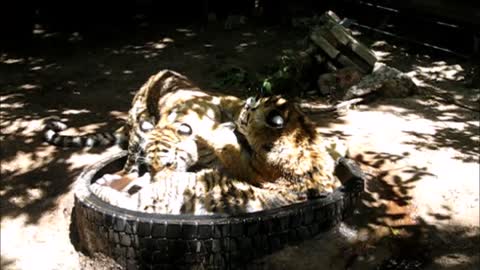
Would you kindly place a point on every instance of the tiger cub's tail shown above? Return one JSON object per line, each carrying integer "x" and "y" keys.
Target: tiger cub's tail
{"x": 52, "y": 136}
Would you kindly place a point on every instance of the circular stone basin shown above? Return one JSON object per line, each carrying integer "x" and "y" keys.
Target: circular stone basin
{"x": 138, "y": 240}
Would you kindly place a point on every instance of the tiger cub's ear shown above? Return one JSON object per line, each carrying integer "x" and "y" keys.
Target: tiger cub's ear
{"x": 297, "y": 106}
{"x": 251, "y": 102}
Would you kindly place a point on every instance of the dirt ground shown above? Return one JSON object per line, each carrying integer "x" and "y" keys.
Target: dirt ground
{"x": 421, "y": 154}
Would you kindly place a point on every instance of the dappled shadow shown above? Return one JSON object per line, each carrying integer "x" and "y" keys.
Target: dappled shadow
{"x": 385, "y": 218}
{"x": 379, "y": 159}
{"x": 445, "y": 97}
{"x": 466, "y": 141}
{"x": 326, "y": 120}
{"x": 387, "y": 192}
{"x": 452, "y": 127}
{"x": 385, "y": 231}
{"x": 144, "y": 49}
{"x": 422, "y": 64}
{"x": 88, "y": 80}
{"x": 444, "y": 103}
{"x": 35, "y": 175}
{"x": 338, "y": 134}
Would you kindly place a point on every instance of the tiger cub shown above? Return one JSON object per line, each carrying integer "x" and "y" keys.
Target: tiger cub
{"x": 141, "y": 119}
{"x": 203, "y": 121}
{"x": 166, "y": 98}
{"x": 276, "y": 147}
{"x": 271, "y": 142}
{"x": 187, "y": 116}
{"x": 205, "y": 192}
{"x": 289, "y": 158}
{"x": 286, "y": 146}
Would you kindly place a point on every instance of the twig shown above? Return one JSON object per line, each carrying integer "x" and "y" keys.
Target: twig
{"x": 446, "y": 97}
{"x": 340, "y": 108}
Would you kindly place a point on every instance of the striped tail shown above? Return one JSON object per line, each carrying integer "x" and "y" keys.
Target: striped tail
{"x": 52, "y": 136}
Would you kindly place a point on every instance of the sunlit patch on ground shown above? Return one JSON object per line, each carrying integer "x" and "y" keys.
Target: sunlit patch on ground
{"x": 438, "y": 72}
{"x": 421, "y": 153}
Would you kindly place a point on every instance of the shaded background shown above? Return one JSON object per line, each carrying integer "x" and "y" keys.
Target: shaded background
{"x": 446, "y": 23}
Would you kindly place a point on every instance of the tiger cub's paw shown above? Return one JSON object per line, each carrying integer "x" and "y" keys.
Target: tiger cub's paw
{"x": 228, "y": 126}
{"x": 118, "y": 182}
{"x": 225, "y": 136}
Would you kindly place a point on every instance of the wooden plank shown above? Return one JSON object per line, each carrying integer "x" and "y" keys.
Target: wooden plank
{"x": 320, "y": 59}
{"x": 347, "y": 62}
{"x": 341, "y": 34}
{"x": 357, "y": 60}
{"x": 329, "y": 16}
{"x": 311, "y": 49}
{"x": 331, "y": 67}
{"x": 318, "y": 39}
{"x": 328, "y": 36}
{"x": 364, "y": 52}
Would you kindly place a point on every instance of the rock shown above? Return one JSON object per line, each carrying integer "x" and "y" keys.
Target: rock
{"x": 336, "y": 83}
{"x": 327, "y": 83}
{"x": 386, "y": 81}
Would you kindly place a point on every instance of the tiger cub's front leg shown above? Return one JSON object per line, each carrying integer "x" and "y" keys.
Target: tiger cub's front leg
{"x": 232, "y": 152}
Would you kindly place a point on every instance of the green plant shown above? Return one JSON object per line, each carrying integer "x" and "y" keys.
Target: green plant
{"x": 231, "y": 76}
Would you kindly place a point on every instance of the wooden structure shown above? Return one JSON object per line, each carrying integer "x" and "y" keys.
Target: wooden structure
{"x": 337, "y": 46}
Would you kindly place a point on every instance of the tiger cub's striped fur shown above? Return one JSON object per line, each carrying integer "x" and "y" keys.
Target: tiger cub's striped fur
{"x": 166, "y": 99}
{"x": 196, "y": 116}
{"x": 286, "y": 146}
{"x": 289, "y": 159}
{"x": 200, "y": 140}
{"x": 206, "y": 192}
{"x": 142, "y": 116}
{"x": 283, "y": 159}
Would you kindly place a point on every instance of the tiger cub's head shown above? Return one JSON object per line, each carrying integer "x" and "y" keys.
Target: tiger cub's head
{"x": 279, "y": 133}
{"x": 264, "y": 121}
{"x": 171, "y": 147}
